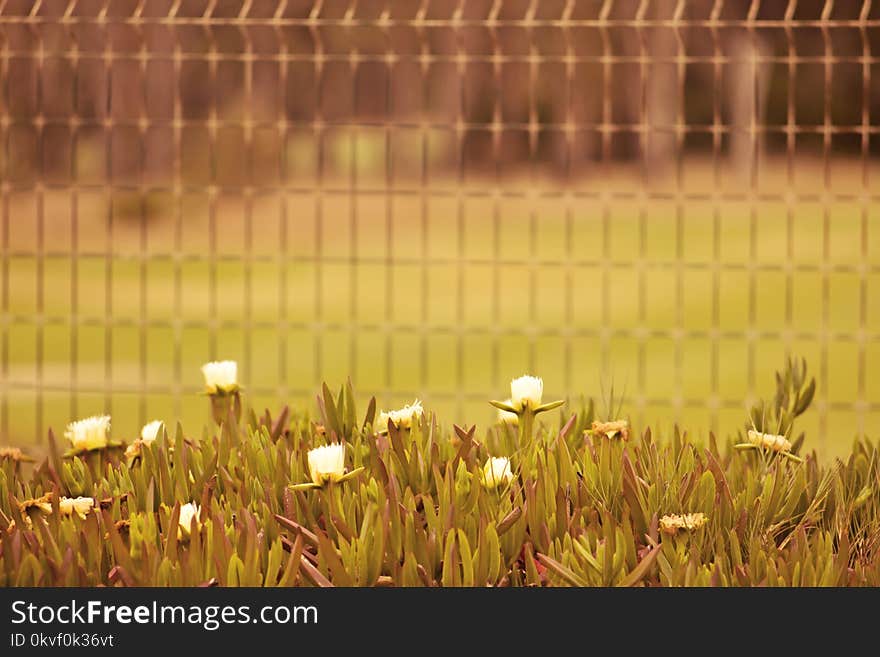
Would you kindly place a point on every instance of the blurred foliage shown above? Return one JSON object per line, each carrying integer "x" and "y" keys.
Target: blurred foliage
{"x": 581, "y": 510}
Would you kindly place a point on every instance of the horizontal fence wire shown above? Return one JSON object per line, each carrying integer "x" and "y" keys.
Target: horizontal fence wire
{"x": 665, "y": 197}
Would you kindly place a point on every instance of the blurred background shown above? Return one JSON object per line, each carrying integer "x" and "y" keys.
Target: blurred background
{"x": 433, "y": 197}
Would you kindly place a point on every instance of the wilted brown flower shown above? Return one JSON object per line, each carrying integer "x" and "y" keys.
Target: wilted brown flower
{"x": 134, "y": 450}
{"x": 42, "y": 503}
{"x": 13, "y": 454}
{"x": 613, "y": 429}
{"x": 670, "y": 524}
{"x": 769, "y": 441}
{"x": 78, "y": 505}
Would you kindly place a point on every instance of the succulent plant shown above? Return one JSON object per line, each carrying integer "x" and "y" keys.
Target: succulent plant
{"x": 567, "y": 504}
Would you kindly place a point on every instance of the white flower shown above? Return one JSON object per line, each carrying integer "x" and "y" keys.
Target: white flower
{"x": 90, "y": 433}
{"x": 497, "y": 471}
{"x": 188, "y": 511}
{"x": 506, "y": 417}
{"x": 327, "y": 463}
{"x": 526, "y": 392}
{"x": 150, "y": 432}
{"x": 79, "y": 505}
{"x": 402, "y": 418}
{"x": 221, "y": 377}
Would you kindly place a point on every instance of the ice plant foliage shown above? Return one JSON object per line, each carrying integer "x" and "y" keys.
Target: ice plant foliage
{"x": 507, "y": 417}
{"x": 89, "y": 434}
{"x": 566, "y": 503}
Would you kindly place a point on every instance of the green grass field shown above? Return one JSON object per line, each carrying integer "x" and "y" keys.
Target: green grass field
{"x": 443, "y": 297}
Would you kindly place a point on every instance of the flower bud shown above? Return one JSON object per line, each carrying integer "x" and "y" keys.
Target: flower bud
{"x": 497, "y": 472}
{"x": 188, "y": 512}
{"x": 151, "y": 431}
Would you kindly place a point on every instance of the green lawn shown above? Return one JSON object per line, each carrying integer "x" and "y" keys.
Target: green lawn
{"x": 396, "y": 294}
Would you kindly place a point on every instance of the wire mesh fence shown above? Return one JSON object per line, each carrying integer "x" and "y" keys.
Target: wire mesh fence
{"x": 432, "y": 197}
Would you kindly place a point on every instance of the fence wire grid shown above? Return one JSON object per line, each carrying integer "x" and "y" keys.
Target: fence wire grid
{"x": 435, "y": 196}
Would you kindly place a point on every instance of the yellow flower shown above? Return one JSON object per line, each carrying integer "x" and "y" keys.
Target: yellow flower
{"x": 150, "y": 432}
{"x": 221, "y": 377}
{"x": 497, "y": 471}
{"x": 402, "y": 418}
{"x": 769, "y": 441}
{"x": 670, "y": 524}
{"x": 526, "y": 392}
{"x": 506, "y": 417}
{"x": 90, "y": 433}
{"x": 327, "y": 463}
{"x": 617, "y": 428}
{"x": 188, "y": 512}
{"x": 79, "y": 505}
